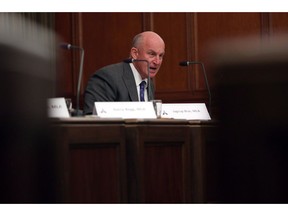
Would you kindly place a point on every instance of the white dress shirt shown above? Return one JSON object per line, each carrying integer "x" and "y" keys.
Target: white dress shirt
{"x": 138, "y": 80}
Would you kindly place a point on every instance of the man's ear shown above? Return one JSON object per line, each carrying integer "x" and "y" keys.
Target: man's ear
{"x": 134, "y": 52}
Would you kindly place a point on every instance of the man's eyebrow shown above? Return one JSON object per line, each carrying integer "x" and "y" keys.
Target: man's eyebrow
{"x": 151, "y": 50}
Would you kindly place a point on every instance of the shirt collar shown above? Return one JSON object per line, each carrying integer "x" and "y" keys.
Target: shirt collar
{"x": 137, "y": 77}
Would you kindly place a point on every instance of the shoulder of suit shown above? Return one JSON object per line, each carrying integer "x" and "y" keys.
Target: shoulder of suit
{"x": 112, "y": 69}
{"x": 115, "y": 67}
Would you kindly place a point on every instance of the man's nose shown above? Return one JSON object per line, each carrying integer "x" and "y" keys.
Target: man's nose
{"x": 157, "y": 60}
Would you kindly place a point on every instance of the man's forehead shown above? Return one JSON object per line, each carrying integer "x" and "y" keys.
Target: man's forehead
{"x": 156, "y": 50}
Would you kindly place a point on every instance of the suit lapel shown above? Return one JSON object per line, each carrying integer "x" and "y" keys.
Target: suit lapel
{"x": 129, "y": 81}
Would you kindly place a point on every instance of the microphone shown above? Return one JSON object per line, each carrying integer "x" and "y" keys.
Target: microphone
{"x": 69, "y": 47}
{"x": 130, "y": 60}
{"x": 187, "y": 63}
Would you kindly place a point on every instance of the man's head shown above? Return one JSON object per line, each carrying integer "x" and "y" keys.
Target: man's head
{"x": 151, "y": 47}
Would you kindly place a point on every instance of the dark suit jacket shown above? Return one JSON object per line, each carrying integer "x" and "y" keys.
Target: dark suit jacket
{"x": 111, "y": 83}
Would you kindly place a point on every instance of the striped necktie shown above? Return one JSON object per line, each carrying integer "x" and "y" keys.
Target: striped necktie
{"x": 142, "y": 89}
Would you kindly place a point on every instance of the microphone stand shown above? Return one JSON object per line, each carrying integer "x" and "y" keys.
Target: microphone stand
{"x": 69, "y": 47}
{"x": 148, "y": 83}
{"x": 186, "y": 63}
{"x": 79, "y": 81}
{"x": 207, "y": 85}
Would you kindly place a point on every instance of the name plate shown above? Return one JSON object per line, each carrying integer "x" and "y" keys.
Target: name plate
{"x": 189, "y": 111}
{"x": 57, "y": 108}
{"x": 125, "y": 110}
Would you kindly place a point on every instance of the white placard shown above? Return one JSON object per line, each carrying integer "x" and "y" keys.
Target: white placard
{"x": 57, "y": 108}
{"x": 189, "y": 111}
{"x": 125, "y": 110}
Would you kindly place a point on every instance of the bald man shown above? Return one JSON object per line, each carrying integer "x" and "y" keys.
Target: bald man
{"x": 121, "y": 81}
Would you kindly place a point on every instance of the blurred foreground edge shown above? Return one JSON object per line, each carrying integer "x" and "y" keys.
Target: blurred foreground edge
{"x": 27, "y": 155}
{"x": 250, "y": 160}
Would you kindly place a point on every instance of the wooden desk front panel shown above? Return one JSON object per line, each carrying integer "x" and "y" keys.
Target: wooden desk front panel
{"x": 93, "y": 158}
{"x": 159, "y": 168}
{"x": 141, "y": 162}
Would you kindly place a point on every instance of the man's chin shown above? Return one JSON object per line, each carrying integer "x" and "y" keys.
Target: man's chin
{"x": 153, "y": 73}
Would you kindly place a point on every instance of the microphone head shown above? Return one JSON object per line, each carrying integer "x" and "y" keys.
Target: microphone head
{"x": 65, "y": 46}
{"x": 130, "y": 60}
{"x": 184, "y": 63}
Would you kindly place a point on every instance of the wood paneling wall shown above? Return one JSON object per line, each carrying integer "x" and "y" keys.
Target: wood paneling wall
{"x": 106, "y": 38}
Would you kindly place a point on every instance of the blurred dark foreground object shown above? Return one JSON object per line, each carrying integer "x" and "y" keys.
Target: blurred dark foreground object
{"x": 27, "y": 80}
{"x": 251, "y": 157}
